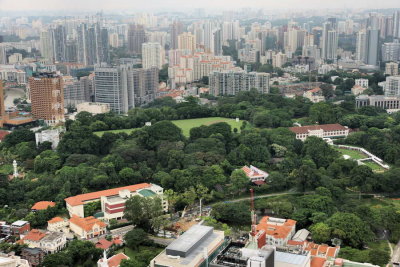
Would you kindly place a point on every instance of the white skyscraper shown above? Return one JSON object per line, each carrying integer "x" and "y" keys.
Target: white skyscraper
{"x": 46, "y": 45}
{"x": 392, "y": 86}
{"x": 329, "y": 42}
{"x": 187, "y": 41}
{"x": 361, "y": 46}
{"x": 152, "y": 55}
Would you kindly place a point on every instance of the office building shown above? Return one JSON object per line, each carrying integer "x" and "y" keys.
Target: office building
{"x": 124, "y": 87}
{"x": 329, "y": 43}
{"x": 59, "y": 42}
{"x": 92, "y": 44}
{"x": 77, "y": 91}
{"x": 187, "y": 42}
{"x": 198, "y": 246}
{"x": 231, "y": 82}
{"x": 396, "y": 24}
{"x": 46, "y": 45}
{"x": 153, "y": 55}
{"x": 136, "y": 37}
{"x": 391, "y": 51}
{"x": 47, "y": 97}
{"x": 392, "y": 69}
{"x": 217, "y": 35}
{"x": 3, "y": 54}
{"x": 279, "y": 60}
{"x": 176, "y": 29}
{"x": 372, "y": 47}
{"x": 361, "y": 46}
{"x": 392, "y": 86}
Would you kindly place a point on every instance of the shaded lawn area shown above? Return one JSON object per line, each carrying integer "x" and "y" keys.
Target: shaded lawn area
{"x": 188, "y": 124}
{"x": 352, "y": 153}
{"x": 139, "y": 254}
{"x": 185, "y": 125}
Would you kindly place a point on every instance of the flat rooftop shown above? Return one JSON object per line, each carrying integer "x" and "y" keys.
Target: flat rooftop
{"x": 194, "y": 257}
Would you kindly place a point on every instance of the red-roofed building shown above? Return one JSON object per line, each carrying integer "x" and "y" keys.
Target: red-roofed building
{"x": 57, "y": 224}
{"x": 86, "y": 228}
{"x": 104, "y": 244}
{"x": 48, "y": 241}
{"x": 323, "y": 131}
{"x": 318, "y": 262}
{"x": 314, "y": 95}
{"x": 3, "y": 134}
{"x": 42, "y": 205}
{"x": 278, "y": 231}
{"x": 255, "y": 175}
{"x": 114, "y": 261}
{"x": 320, "y": 251}
{"x": 76, "y": 203}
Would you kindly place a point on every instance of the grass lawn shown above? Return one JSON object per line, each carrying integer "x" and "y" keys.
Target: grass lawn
{"x": 136, "y": 253}
{"x": 186, "y": 125}
{"x": 354, "y": 154}
{"x": 127, "y": 131}
{"x": 374, "y": 166}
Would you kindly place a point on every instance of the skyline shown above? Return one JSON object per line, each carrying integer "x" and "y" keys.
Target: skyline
{"x": 176, "y": 5}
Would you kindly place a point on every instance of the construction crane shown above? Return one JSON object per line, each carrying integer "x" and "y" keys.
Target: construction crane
{"x": 253, "y": 215}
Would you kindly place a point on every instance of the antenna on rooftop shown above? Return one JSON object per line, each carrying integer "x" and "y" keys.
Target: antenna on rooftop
{"x": 253, "y": 214}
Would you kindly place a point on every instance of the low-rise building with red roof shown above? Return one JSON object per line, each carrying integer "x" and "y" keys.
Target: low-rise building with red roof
{"x": 114, "y": 261}
{"x": 277, "y": 231}
{"x": 86, "y": 228}
{"x": 75, "y": 204}
{"x": 255, "y": 175}
{"x": 103, "y": 244}
{"x": 316, "y": 250}
{"x": 323, "y": 131}
{"x": 42, "y": 205}
{"x": 50, "y": 242}
{"x": 57, "y": 224}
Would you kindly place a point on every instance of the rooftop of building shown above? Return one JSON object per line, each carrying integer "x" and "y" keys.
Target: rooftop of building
{"x": 42, "y": 205}
{"x": 80, "y": 199}
{"x": 278, "y": 228}
{"x": 45, "y": 75}
{"x": 324, "y": 127}
{"x": 253, "y": 172}
{"x": 34, "y": 235}
{"x": 192, "y": 245}
{"x": 19, "y": 223}
{"x": 51, "y": 236}
{"x": 103, "y": 244}
{"x": 55, "y": 220}
{"x": 86, "y": 223}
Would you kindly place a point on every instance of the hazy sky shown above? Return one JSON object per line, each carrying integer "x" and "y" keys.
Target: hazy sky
{"x": 135, "y": 5}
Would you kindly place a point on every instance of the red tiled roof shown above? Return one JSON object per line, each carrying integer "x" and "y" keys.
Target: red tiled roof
{"x": 103, "y": 244}
{"x": 277, "y": 231}
{"x": 42, "y": 205}
{"x": 259, "y": 182}
{"x": 86, "y": 223}
{"x": 115, "y": 260}
{"x": 3, "y": 134}
{"x": 324, "y": 127}
{"x": 79, "y": 199}
{"x": 55, "y": 220}
{"x": 34, "y": 235}
{"x": 253, "y": 172}
{"x": 317, "y": 262}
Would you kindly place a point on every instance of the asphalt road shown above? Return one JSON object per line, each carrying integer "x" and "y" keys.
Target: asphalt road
{"x": 258, "y": 197}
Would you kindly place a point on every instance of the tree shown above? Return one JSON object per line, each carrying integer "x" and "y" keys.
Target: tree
{"x": 319, "y": 151}
{"x": 135, "y": 237}
{"x": 321, "y": 232}
{"x": 47, "y": 161}
{"x": 350, "y": 229}
{"x": 327, "y": 90}
{"x": 141, "y": 210}
{"x": 234, "y": 213}
{"x": 19, "y": 136}
{"x": 379, "y": 257}
{"x": 238, "y": 181}
{"x": 132, "y": 263}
